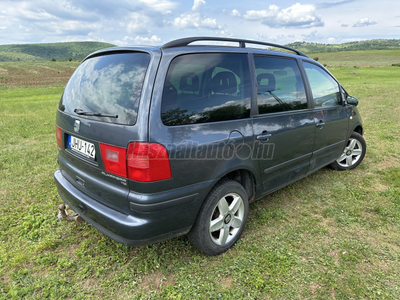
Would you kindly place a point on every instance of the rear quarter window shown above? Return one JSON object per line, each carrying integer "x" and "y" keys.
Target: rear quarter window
{"x": 209, "y": 87}
{"x": 110, "y": 85}
{"x": 324, "y": 88}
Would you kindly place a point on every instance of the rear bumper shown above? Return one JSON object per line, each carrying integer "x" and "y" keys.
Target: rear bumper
{"x": 144, "y": 226}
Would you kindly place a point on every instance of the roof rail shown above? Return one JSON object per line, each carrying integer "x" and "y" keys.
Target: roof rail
{"x": 242, "y": 43}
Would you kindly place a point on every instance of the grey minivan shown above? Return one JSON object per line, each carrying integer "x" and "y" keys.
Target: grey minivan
{"x": 157, "y": 142}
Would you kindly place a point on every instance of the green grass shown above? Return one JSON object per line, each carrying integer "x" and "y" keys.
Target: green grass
{"x": 14, "y": 74}
{"x": 377, "y": 44}
{"x": 332, "y": 235}
{"x": 357, "y": 59}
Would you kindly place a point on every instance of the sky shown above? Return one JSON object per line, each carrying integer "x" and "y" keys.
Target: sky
{"x": 155, "y": 22}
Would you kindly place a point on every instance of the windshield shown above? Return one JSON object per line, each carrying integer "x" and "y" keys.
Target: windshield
{"x": 107, "y": 88}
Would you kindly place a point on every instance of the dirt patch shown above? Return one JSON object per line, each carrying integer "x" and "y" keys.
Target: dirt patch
{"x": 332, "y": 293}
{"x": 379, "y": 187}
{"x": 314, "y": 287}
{"x": 226, "y": 282}
{"x": 155, "y": 281}
{"x": 71, "y": 248}
{"x": 36, "y": 74}
{"x": 90, "y": 284}
{"x": 335, "y": 255}
{"x": 328, "y": 226}
{"x": 388, "y": 163}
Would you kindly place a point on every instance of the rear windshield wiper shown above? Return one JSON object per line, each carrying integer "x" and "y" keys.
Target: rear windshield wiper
{"x": 96, "y": 114}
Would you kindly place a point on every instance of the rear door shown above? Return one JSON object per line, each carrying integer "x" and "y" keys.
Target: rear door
{"x": 330, "y": 116}
{"x": 284, "y": 127}
{"x": 203, "y": 101}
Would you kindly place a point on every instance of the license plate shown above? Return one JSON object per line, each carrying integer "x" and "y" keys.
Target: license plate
{"x": 81, "y": 146}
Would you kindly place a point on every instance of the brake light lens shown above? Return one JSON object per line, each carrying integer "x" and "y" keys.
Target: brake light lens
{"x": 148, "y": 162}
{"x": 59, "y": 137}
{"x": 144, "y": 162}
{"x": 114, "y": 159}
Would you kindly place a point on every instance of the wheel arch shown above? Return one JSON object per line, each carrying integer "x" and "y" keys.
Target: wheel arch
{"x": 359, "y": 129}
{"x": 245, "y": 178}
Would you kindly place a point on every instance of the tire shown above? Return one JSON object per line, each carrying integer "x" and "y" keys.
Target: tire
{"x": 352, "y": 155}
{"x": 221, "y": 219}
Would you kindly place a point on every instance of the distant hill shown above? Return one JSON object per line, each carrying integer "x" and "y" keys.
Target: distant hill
{"x": 79, "y": 50}
{"x": 53, "y": 51}
{"x": 351, "y": 46}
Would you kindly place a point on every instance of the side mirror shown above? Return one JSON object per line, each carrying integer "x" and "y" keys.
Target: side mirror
{"x": 352, "y": 100}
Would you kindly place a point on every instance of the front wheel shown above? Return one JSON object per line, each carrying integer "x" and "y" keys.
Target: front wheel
{"x": 221, "y": 219}
{"x": 353, "y": 153}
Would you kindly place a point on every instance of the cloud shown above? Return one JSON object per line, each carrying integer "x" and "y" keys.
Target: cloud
{"x": 23, "y": 11}
{"x": 223, "y": 32}
{"x": 331, "y": 40}
{"x": 111, "y": 9}
{"x": 235, "y": 13}
{"x": 326, "y": 5}
{"x": 138, "y": 23}
{"x": 256, "y": 15}
{"x": 314, "y": 35}
{"x": 138, "y": 40}
{"x": 49, "y": 20}
{"x": 297, "y": 15}
{"x": 145, "y": 40}
{"x": 194, "y": 20}
{"x": 74, "y": 27}
{"x": 161, "y": 6}
{"x": 275, "y": 39}
{"x": 364, "y": 22}
{"x": 198, "y": 4}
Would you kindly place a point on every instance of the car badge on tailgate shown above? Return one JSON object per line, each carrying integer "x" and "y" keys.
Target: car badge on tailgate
{"x": 77, "y": 125}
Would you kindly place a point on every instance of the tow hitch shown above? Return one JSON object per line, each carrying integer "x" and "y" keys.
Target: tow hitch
{"x": 64, "y": 214}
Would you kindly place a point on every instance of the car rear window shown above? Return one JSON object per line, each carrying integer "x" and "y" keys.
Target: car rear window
{"x": 109, "y": 86}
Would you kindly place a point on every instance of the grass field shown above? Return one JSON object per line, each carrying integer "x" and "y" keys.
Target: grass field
{"x": 358, "y": 59}
{"x": 332, "y": 235}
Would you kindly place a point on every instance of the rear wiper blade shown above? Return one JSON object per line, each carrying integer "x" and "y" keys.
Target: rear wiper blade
{"x": 79, "y": 111}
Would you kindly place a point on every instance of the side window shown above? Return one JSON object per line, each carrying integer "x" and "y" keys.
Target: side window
{"x": 209, "y": 87}
{"x": 280, "y": 86}
{"x": 324, "y": 88}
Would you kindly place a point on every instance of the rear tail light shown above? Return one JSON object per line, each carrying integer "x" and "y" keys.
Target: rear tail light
{"x": 114, "y": 159}
{"x": 59, "y": 137}
{"x": 148, "y": 162}
{"x": 142, "y": 162}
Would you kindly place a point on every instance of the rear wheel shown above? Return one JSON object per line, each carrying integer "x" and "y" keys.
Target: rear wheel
{"x": 353, "y": 153}
{"x": 221, "y": 219}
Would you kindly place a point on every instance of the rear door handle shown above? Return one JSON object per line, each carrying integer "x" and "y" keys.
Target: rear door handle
{"x": 320, "y": 124}
{"x": 264, "y": 136}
